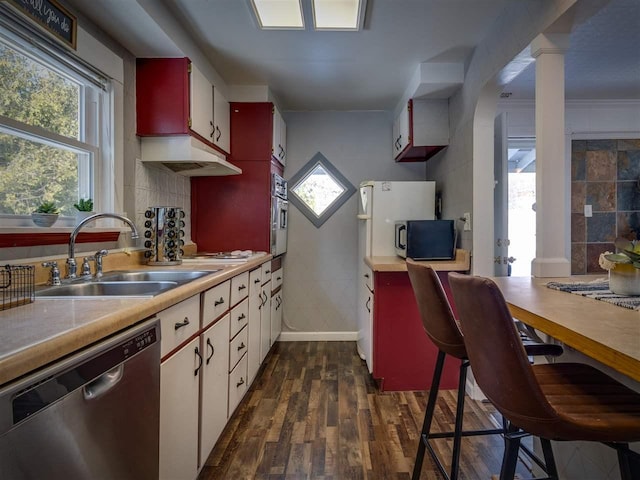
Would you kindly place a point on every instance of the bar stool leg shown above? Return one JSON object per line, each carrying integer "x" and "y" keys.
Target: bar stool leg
{"x": 511, "y": 448}
{"x": 428, "y": 415}
{"x": 549, "y": 459}
{"x": 628, "y": 460}
{"x": 457, "y": 436}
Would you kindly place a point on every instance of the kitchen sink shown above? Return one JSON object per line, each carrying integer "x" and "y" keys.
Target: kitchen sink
{"x": 177, "y": 276}
{"x": 134, "y": 283}
{"x": 107, "y": 289}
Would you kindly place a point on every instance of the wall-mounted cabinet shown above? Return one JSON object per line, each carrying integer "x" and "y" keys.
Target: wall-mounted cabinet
{"x": 173, "y": 97}
{"x": 279, "y": 140}
{"x": 241, "y": 218}
{"x": 421, "y": 130}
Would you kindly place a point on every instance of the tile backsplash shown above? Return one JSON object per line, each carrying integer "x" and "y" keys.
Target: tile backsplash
{"x": 606, "y": 175}
{"x": 157, "y": 186}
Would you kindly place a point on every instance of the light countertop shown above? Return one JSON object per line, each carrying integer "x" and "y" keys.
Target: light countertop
{"x": 461, "y": 263}
{"x": 605, "y": 332}
{"x": 41, "y": 332}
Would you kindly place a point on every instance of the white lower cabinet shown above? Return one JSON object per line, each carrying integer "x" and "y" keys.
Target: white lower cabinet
{"x": 237, "y": 384}
{"x": 215, "y": 384}
{"x": 211, "y": 354}
{"x": 276, "y": 316}
{"x": 254, "y": 360}
{"x": 179, "y": 394}
{"x": 265, "y": 320}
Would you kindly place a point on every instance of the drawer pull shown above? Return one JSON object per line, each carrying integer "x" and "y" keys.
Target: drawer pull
{"x": 267, "y": 271}
{"x": 241, "y": 382}
{"x": 182, "y": 324}
{"x": 278, "y": 278}
{"x": 242, "y": 317}
{"x": 242, "y": 345}
{"x": 257, "y": 280}
{"x": 242, "y": 287}
{"x": 218, "y": 302}
{"x": 210, "y": 345}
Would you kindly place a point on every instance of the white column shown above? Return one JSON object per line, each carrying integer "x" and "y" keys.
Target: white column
{"x": 552, "y": 214}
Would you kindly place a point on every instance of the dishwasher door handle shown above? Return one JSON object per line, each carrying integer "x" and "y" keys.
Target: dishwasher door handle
{"x": 103, "y": 383}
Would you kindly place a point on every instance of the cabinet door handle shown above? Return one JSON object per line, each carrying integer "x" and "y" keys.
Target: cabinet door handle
{"x": 241, "y": 382}
{"x": 218, "y": 302}
{"x": 366, "y": 275}
{"x": 367, "y": 304}
{"x": 184, "y": 323}
{"x": 242, "y": 345}
{"x": 212, "y": 129}
{"x": 210, "y": 345}
{"x": 219, "y": 133}
{"x": 242, "y": 317}
{"x": 195, "y": 373}
{"x": 242, "y": 287}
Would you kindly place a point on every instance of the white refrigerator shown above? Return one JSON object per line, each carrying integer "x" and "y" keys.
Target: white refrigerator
{"x": 380, "y": 205}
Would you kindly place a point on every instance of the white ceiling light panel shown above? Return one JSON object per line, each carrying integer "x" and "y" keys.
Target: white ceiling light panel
{"x": 280, "y": 14}
{"x": 338, "y": 14}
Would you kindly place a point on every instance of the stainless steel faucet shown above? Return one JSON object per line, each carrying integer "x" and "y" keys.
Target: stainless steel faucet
{"x": 72, "y": 267}
{"x": 98, "y": 259}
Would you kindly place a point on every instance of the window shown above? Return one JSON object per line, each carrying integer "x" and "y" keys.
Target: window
{"x": 319, "y": 189}
{"x": 51, "y": 108}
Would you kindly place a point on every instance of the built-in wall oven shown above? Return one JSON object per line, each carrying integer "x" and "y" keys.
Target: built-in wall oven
{"x": 279, "y": 214}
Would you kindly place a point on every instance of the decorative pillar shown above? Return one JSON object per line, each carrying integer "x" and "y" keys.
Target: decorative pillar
{"x": 552, "y": 214}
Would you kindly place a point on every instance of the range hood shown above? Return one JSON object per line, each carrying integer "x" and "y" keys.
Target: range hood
{"x": 186, "y": 155}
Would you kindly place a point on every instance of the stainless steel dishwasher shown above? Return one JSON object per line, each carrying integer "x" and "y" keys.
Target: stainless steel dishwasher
{"x": 93, "y": 415}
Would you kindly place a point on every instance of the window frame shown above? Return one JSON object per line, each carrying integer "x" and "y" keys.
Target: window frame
{"x": 319, "y": 160}
{"x": 95, "y": 122}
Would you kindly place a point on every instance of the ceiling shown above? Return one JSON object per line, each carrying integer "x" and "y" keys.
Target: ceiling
{"x": 370, "y": 69}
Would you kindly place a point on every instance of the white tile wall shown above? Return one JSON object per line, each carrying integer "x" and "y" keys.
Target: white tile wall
{"x": 158, "y": 186}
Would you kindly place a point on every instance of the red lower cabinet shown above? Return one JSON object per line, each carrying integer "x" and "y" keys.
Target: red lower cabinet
{"x": 403, "y": 356}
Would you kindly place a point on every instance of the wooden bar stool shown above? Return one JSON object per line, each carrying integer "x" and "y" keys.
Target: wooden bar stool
{"x": 442, "y": 328}
{"x": 559, "y": 401}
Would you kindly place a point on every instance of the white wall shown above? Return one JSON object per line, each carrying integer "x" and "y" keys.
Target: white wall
{"x": 465, "y": 171}
{"x": 321, "y": 265}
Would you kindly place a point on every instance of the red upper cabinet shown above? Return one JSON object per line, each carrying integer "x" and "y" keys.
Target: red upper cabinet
{"x": 173, "y": 97}
{"x": 251, "y": 131}
{"x": 162, "y": 96}
{"x": 421, "y": 130}
{"x": 234, "y": 212}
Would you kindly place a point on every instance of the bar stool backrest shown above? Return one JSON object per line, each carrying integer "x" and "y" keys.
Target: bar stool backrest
{"x": 497, "y": 356}
{"x": 437, "y": 317}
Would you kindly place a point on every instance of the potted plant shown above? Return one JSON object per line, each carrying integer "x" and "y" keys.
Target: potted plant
{"x": 46, "y": 214}
{"x": 623, "y": 267}
{"x": 85, "y": 209}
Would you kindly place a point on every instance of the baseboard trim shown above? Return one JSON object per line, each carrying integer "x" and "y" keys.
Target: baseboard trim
{"x": 318, "y": 337}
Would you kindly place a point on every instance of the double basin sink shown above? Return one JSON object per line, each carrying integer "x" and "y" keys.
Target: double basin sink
{"x": 137, "y": 283}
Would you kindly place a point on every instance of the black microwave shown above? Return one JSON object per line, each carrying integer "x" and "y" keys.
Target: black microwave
{"x": 426, "y": 239}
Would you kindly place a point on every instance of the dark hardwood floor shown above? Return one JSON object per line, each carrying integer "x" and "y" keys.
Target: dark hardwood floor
{"x": 314, "y": 412}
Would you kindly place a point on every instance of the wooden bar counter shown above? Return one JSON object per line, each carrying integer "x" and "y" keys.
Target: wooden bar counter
{"x": 607, "y": 333}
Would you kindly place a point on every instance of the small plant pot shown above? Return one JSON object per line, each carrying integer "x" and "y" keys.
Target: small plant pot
{"x": 80, "y": 216}
{"x": 624, "y": 279}
{"x": 44, "y": 219}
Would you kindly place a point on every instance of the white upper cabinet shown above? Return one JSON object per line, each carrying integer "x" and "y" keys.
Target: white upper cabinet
{"x": 210, "y": 111}
{"x": 279, "y": 143}
{"x": 221, "y": 121}
{"x": 420, "y": 130}
{"x": 201, "y": 103}
{"x": 401, "y": 131}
